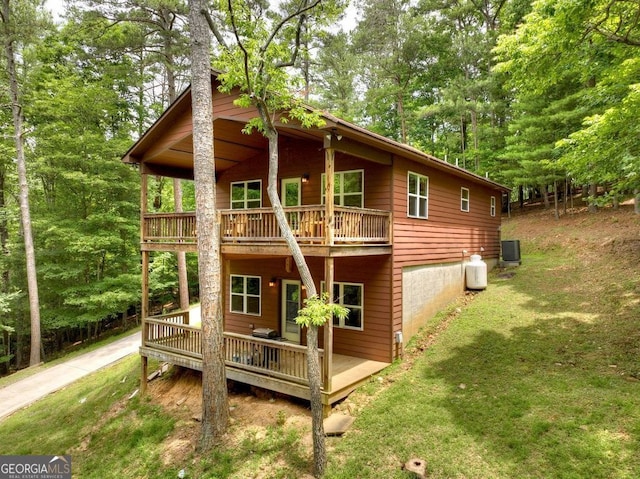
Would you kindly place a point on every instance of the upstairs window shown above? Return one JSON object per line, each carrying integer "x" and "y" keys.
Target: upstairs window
{"x": 492, "y": 208}
{"x": 348, "y": 188}
{"x": 417, "y": 196}
{"x": 246, "y": 194}
{"x": 464, "y": 199}
{"x": 351, "y": 296}
{"x": 245, "y": 294}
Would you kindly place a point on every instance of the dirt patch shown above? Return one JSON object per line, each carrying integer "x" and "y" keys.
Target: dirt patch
{"x": 608, "y": 232}
{"x": 251, "y": 411}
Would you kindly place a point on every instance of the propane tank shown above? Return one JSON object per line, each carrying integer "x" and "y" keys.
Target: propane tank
{"x": 476, "y": 273}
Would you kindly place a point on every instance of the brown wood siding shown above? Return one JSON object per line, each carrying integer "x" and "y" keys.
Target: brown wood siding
{"x": 306, "y": 157}
{"x": 373, "y": 342}
{"x": 447, "y": 232}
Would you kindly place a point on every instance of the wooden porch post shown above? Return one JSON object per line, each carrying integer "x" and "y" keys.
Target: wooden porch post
{"x": 329, "y": 170}
{"x": 328, "y": 328}
{"x": 144, "y": 302}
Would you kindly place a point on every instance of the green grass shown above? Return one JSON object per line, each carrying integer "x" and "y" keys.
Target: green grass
{"x": 93, "y": 420}
{"x": 109, "y": 435}
{"x": 536, "y": 377}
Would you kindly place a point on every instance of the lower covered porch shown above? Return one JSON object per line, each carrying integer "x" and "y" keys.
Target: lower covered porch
{"x": 274, "y": 364}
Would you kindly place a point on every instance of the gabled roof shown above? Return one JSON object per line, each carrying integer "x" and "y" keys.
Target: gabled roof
{"x": 167, "y": 146}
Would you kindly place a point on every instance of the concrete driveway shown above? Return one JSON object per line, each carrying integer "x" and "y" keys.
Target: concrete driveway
{"x": 28, "y": 390}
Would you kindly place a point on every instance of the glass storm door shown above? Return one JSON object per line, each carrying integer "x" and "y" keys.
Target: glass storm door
{"x": 291, "y": 197}
{"x": 290, "y": 305}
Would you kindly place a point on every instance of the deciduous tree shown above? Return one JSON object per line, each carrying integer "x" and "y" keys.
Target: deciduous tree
{"x": 10, "y": 30}
{"x": 265, "y": 44}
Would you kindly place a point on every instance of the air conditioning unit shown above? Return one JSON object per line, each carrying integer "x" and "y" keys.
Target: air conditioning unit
{"x": 511, "y": 251}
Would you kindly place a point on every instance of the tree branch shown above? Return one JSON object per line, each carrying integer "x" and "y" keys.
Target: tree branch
{"x": 241, "y": 45}
{"x": 296, "y": 49}
{"x": 214, "y": 29}
{"x": 285, "y": 20}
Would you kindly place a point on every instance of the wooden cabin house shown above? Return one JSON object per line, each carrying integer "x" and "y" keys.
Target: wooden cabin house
{"x": 391, "y": 242}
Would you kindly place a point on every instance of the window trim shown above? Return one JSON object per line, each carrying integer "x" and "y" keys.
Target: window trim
{"x": 492, "y": 206}
{"x": 416, "y": 197}
{"x": 464, "y": 200}
{"x": 244, "y": 183}
{"x": 244, "y": 294}
{"x": 341, "y": 285}
{"x": 323, "y": 182}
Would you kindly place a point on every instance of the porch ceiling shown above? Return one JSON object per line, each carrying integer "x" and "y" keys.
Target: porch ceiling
{"x": 231, "y": 146}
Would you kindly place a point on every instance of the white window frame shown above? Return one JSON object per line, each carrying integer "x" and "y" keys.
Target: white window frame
{"x": 416, "y": 197}
{"x": 465, "y": 200}
{"x": 245, "y": 200}
{"x": 340, "y": 323}
{"x": 340, "y": 175}
{"x": 492, "y": 207}
{"x": 244, "y": 295}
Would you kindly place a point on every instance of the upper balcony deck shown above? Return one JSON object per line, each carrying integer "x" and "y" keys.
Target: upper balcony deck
{"x": 255, "y": 231}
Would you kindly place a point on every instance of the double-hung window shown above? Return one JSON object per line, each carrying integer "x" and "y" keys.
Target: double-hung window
{"x": 492, "y": 208}
{"x": 245, "y": 294}
{"x": 351, "y": 296}
{"x": 348, "y": 188}
{"x": 246, "y": 194}
{"x": 464, "y": 199}
{"x": 417, "y": 195}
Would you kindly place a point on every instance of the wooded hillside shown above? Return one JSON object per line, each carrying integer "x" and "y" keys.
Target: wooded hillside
{"x": 536, "y": 95}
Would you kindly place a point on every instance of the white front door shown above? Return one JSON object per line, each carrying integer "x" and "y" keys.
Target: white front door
{"x": 291, "y": 292}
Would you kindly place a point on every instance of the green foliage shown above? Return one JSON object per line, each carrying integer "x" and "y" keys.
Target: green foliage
{"x": 268, "y": 42}
{"x": 607, "y": 148}
{"x": 577, "y": 62}
{"x": 317, "y": 311}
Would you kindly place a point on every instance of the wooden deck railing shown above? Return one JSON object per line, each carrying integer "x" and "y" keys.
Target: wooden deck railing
{"x": 258, "y": 225}
{"x": 169, "y": 227}
{"x": 168, "y": 333}
{"x": 278, "y": 359}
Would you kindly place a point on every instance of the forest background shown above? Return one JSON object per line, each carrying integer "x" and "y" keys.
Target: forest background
{"x": 535, "y": 95}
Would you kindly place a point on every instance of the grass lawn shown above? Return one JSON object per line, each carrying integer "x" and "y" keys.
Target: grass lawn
{"x": 536, "y": 377}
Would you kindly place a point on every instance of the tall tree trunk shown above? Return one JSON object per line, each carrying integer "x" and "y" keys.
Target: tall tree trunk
{"x": 593, "y": 192}
{"x": 544, "y": 190}
{"x": 521, "y": 196}
{"x": 215, "y": 410}
{"x": 25, "y": 214}
{"x": 401, "y": 116}
{"x": 474, "y": 130}
{"x": 555, "y": 200}
{"x": 313, "y": 357}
